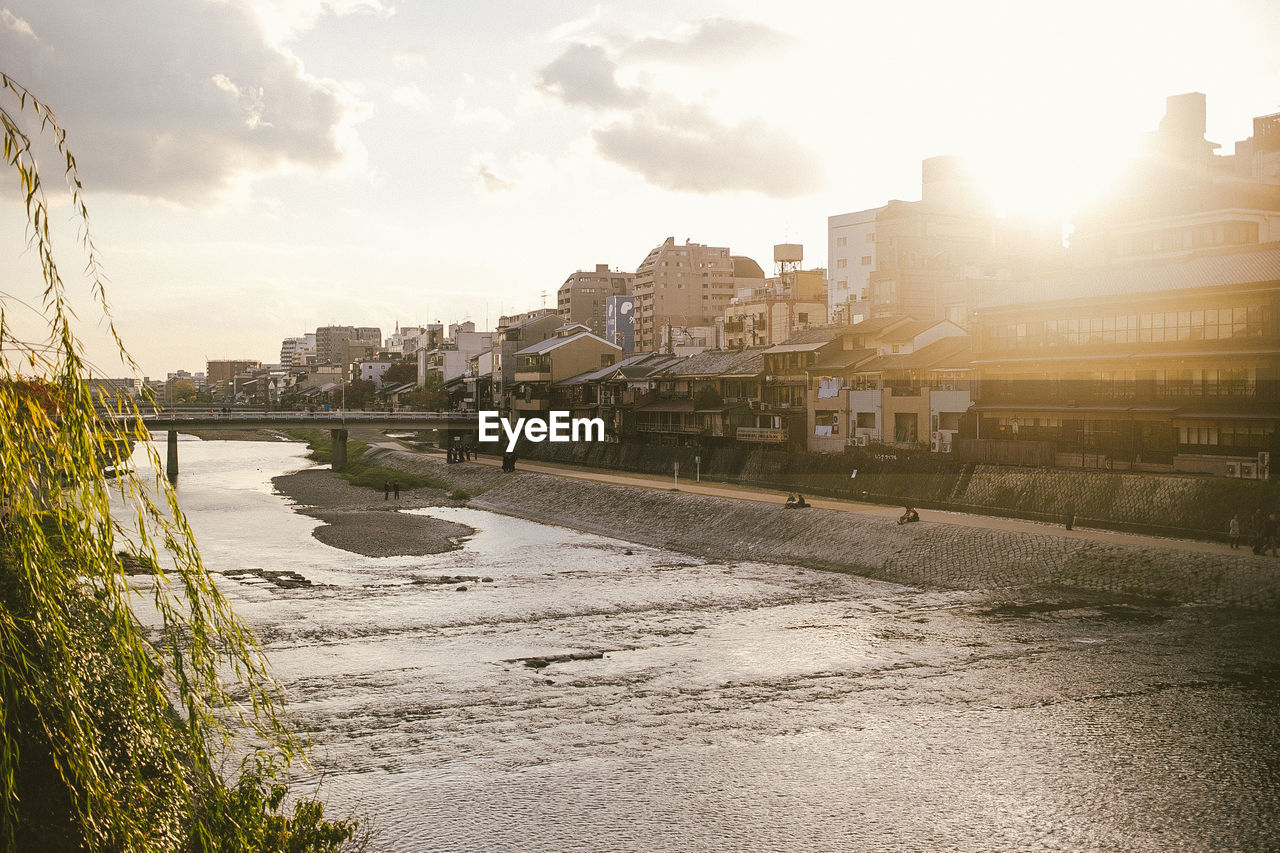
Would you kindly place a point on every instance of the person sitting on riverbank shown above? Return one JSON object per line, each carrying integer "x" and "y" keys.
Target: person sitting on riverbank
{"x": 908, "y": 516}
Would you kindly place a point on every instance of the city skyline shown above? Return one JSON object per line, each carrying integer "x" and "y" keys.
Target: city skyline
{"x": 365, "y": 162}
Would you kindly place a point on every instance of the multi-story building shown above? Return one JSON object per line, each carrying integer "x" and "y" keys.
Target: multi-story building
{"x": 923, "y": 258}
{"x": 572, "y": 351}
{"x": 703, "y": 399}
{"x": 1166, "y": 365}
{"x": 225, "y": 370}
{"x": 583, "y": 296}
{"x": 771, "y": 312}
{"x": 851, "y": 258}
{"x": 510, "y": 340}
{"x": 294, "y": 352}
{"x": 1181, "y": 197}
{"x": 452, "y": 360}
{"x": 329, "y": 340}
{"x": 685, "y": 286}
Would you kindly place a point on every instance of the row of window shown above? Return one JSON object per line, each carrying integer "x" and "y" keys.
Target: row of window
{"x": 1191, "y": 237}
{"x": 1241, "y": 321}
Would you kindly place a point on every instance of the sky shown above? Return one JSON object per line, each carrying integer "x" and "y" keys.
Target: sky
{"x": 256, "y": 168}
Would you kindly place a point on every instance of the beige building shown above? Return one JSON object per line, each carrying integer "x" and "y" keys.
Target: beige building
{"x": 686, "y": 285}
{"x": 575, "y": 350}
{"x": 778, "y": 307}
{"x": 581, "y": 299}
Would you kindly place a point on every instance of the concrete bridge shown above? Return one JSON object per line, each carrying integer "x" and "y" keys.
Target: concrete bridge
{"x": 447, "y": 425}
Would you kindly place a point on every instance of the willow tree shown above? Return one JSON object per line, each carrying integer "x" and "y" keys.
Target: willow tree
{"x": 112, "y": 735}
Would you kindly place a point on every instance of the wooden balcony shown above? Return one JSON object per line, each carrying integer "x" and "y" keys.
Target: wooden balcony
{"x": 762, "y": 434}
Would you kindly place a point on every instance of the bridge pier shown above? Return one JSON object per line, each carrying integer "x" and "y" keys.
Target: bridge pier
{"x": 171, "y": 463}
{"x": 338, "y": 456}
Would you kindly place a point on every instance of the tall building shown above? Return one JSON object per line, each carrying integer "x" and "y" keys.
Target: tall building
{"x": 329, "y": 340}
{"x": 294, "y": 351}
{"x": 686, "y": 286}
{"x": 922, "y": 257}
{"x": 851, "y": 258}
{"x": 772, "y": 311}
{"x": 1180, "y": 197}
{"x": 581, "y": 299}
{"x": 225, "y": 370}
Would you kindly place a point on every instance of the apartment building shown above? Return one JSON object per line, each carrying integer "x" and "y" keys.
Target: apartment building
{"x": 679, "y": 286}
{"x": 572, "y": 351}
{"x": 583, "y": 298}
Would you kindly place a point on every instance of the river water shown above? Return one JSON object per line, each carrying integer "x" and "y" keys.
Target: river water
{"x": 737, "y": 707}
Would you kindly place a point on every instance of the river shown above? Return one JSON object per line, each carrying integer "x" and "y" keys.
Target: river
{"x": 737, "y": 707}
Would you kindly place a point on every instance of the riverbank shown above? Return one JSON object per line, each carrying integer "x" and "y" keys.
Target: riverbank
{"x": 932, "y": 553}
{"x": 363, "y": 521}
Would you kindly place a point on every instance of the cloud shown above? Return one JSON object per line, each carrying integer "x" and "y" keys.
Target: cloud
{"x": 13, "y": 22}
{"x": 584, "y": 75}
{"x": 675, "y": 145}
{"x": 714, "y": 41}
{"x": 412, "y": 98}
{"x": 686, "y": 150}
{"x": 170, "y": 116}
{"x": 490, "y": 180}
{"x": 409, "y": 57}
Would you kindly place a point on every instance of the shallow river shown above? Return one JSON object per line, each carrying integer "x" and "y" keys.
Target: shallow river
{"x": 738, "y": 707}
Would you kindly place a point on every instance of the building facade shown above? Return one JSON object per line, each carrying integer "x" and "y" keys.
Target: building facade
{"x": 686, "y": 285}
{"x": 584, "y": 296}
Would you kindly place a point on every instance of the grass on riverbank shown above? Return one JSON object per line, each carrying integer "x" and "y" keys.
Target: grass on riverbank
{"x": 359, "y": 473}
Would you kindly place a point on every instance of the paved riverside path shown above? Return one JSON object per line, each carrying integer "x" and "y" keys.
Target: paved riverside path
{"x": 770, "y": 496}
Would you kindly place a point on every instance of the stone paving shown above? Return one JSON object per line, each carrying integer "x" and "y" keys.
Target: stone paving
{"x": 930, "y": 553}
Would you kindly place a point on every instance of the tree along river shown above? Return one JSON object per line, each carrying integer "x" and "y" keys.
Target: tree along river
{"x": 736, "y": 707}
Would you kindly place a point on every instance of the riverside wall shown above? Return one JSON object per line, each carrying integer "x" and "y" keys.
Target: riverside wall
{"x": 1160, "y": 504}
{"x": 924, "y": 554}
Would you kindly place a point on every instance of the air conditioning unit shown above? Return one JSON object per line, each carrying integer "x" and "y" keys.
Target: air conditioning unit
{"x": 946, "y": 447}
{"x": 933, "y": 445}
{"x": 1248, "y": 471}
{"x": 860, "y": 441}
{"x": 1233, "y": 470}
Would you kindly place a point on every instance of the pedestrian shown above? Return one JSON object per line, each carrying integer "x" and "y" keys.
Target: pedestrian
{"x": 1071, "y": 514}
{"x": 1270, "y": 534}
{"x": 395, "y": 487}
{"x": 1255, "y": 531}
{"x": 386, "y": 490}
{"x": 1233, "y": 530}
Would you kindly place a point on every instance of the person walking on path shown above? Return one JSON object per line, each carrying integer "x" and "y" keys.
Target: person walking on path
{"x": 386, "y": 490}
{"x": 1269, "y": 534}
{"x": 1071, "y": 514}
{"x": 1256, "y": 539}
{"x": 1233, "y": 530}
{"x": 395, "y": 487}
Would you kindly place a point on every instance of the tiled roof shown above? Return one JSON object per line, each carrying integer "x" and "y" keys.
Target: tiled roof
{"x": 710, "y": 363}
{"x": 875, "y": 325}
{"x": 841, "y": 359}
{"x": 1210, "y": 269}
{"x": 946, "y": 353}
{"x": 552, "y": 343}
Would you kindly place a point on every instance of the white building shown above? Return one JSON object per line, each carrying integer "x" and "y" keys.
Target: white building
{"x": 851, "y": 257}
{"x": 293, "y": 351}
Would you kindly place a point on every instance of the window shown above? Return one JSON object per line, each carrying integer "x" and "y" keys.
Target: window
{"x": 866, "y": 420}
{"x": 842, "y": 241}
{"x": 842, "y": 263}
{"x": 802, "y": 317}
{"x": 871, "y": 237}
{"x": 866, "y": 260}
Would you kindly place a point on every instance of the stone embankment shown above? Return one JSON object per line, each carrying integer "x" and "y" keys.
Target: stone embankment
{"x": 929, "y": 553}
